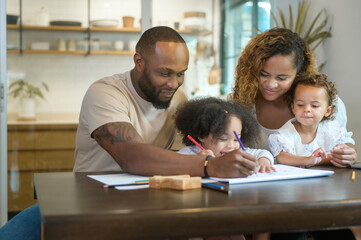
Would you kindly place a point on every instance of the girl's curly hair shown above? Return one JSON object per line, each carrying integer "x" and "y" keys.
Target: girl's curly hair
{"x": 203, "y": 116}
{"x": 260, "y": 48}
{"x": 315, "y": 80}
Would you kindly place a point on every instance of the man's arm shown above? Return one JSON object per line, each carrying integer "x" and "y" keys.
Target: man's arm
{"x": 126, "y": 146}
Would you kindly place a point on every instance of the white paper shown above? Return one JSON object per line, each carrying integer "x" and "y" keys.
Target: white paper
{"x": 283, "y": 172}
{"x": 118, "y": 179}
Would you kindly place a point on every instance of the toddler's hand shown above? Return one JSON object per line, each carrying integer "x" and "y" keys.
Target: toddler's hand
{"x": 320, "y": 152}
{"x": 264, "y": 165}
{"x": 313, "y": 161}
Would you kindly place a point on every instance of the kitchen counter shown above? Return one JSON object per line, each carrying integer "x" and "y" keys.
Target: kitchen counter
{"x": 44, "y": 121}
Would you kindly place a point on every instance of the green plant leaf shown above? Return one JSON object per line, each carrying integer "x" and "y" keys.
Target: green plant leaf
{"x": 312, "y": 25}
{"x": 283, "y": 21}
{"x": 313, "y": 34}
{"x": 275, "y": 19}
{"x": 23, "y": 89}
{"x": 291, "y": 17}
{"x": 300, "y": 17}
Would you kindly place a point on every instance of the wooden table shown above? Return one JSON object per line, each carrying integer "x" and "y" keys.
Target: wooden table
{"x": 74, "y": 206}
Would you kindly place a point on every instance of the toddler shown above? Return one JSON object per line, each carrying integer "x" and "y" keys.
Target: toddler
{"x": 309, "y": 138}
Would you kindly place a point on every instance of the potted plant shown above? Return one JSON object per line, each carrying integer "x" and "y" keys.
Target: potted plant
{"x": 314, "y": 34}
{"x": 27, "y": 93}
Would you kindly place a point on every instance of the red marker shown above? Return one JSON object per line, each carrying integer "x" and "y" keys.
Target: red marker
{"x": 195, "y": 142}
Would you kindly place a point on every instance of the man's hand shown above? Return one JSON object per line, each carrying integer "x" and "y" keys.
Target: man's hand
{"x": 234, "y": 164}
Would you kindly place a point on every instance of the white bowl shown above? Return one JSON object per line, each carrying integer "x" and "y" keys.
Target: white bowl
{"x": 119, "y": 45}
{"x": 105, "y": 23}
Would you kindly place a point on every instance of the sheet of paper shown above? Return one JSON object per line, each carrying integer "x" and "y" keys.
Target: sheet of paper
{"x": 118, "y": 179}
{"x": 283, "y": 172}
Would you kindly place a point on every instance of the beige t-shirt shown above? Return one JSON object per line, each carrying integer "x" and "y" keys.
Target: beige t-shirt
{"x": 114, "y": 99}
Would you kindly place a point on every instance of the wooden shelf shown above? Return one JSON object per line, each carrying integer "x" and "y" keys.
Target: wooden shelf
{"x": 78, "y": 52}
{"x": 114, "y": 29}
{"x": 54, "y": 52}
{"x": 12, "y": 51}
{"x": 12, "y": 26}
{"x": 73, "y": 28}
{"x": 99, "y": 29}
{"x": 112, "y": 52}
{"x": 56, "y": 28}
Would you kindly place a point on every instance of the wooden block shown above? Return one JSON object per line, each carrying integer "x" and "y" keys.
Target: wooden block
{"x": 178, "y": 182}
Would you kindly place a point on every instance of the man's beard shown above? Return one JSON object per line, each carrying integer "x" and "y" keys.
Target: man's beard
{"x": 152, "y": 96}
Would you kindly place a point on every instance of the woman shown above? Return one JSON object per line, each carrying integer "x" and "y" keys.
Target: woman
{"x": 266, "y": 70}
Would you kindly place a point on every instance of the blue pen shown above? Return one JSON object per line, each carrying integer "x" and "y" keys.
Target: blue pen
{"x": 240, "y": 143}
{"x": 215, "y": 187}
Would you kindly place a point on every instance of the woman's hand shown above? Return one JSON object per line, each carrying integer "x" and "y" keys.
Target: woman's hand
{"x": 265, "y": 165}
{"x": 343, "y": 155}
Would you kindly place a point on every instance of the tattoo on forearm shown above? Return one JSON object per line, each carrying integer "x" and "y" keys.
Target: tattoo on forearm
{"x": 115, "y": 132}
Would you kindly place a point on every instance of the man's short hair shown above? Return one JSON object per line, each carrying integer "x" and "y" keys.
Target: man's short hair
{"x": 153, "y": 35}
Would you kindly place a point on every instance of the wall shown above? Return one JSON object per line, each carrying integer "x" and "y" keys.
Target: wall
{"x": 342, "y": 52}
{"x": 69, "y": 76}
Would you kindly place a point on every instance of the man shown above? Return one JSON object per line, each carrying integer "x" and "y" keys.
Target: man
{"x": 126, "y": 119}
{"x": 126, "y": 122}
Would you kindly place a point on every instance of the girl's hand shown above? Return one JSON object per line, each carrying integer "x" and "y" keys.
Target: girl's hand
{"x": 320, "y": 152}
{"x": 316, "y": 157}
{"x": 206, "y": 153}
{"x": 343, "y": 155}
{"x": 264, "y": 165}
{"x": 313, "y": 161}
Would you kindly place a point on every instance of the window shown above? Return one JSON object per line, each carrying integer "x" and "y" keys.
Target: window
{"x": 242, "y": 20}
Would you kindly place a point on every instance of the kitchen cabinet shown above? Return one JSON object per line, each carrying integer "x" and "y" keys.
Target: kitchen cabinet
{"x": 46, "y": 146}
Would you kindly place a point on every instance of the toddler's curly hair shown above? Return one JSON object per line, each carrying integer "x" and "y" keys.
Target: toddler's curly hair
{"x": 315, "y": 80}
{"x": 203, "y": 116}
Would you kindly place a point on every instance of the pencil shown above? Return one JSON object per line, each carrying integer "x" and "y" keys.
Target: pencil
{"x": 195, "y": 142}
{"x": 353, "y": 176}
{"x": 216, "y": 187}
{"x": 139, "y": 182}
{"x": 239, "y": 140}
{"x": 240, "y": 143}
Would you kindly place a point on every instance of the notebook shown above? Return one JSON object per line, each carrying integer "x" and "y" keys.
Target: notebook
{"x": 283, "y": 172}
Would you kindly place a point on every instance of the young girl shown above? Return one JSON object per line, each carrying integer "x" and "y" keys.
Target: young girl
{"x": 307, "y": 139}
{"x": 211, "y": 122}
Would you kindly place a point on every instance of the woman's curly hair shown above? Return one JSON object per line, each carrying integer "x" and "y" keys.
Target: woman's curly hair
{"x": 260, "y": 48}
{"x": 203, "y": 116}
{"x": 315, "y": 80}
